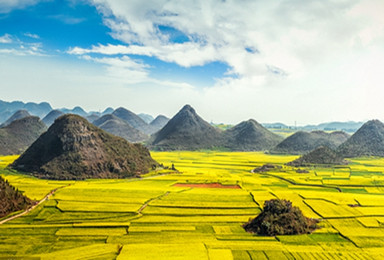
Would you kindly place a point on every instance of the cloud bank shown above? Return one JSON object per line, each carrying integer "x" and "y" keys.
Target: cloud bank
{"x": 299, "y": 60}
{"x": 308, "y": 56}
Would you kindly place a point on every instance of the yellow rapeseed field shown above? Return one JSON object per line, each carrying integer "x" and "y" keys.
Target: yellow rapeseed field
{"x": 153, "y": 218}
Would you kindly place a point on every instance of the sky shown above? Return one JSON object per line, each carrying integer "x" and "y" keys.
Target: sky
{"x": 289, "y": 61}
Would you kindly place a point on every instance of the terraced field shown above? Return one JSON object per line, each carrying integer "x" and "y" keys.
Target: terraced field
{"x": 153, "y": 218}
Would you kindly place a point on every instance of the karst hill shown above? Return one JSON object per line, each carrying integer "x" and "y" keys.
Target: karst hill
{"x": 16, "y": 137}
{"x": 134, "y": 120}
{"x": 51, "y": 117}
{"x": 159, "y": 122}
{"x": 73, "y": 148}
{"x": 321, "y": 155}
{"x": 186, "y": 131}
{"x": 116, "y": 126}
{"x": 17, "y": 115}
{"x": 250, "y": 136}
{"x": 367, "y": 141}
{"x": 303, "y": 142}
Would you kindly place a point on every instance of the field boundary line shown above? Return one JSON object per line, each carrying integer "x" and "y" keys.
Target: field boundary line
{"x": 298, "y": 184}
{"x": 34, "y": 206}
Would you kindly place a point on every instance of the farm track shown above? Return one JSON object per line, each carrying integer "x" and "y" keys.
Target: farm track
{"x": 54, "y": 190}
{"x": 150, "y": 200}
{"x": 299, "y": 184}
{"x": 34, "y": 206}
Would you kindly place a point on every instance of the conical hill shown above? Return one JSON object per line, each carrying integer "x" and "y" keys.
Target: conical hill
{"x": 116, "y": 126}
{"x": 321, "y": 155}
{"x": 16, "y": 137}
{"x": 134, "y": 120}
{"x": 159, "y": 122}
{"x": 17, "y": 115}
{"x": 186, "y": 131}
{"x": 51, "y": 117}
{"x": 73, "y": 148}
{"x": 250, "y": 136}
{"x": 368, "y": 140}
{"x": 303, "y": 142}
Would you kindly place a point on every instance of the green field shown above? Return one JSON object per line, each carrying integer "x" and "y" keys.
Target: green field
{"x": 150, "y": 218}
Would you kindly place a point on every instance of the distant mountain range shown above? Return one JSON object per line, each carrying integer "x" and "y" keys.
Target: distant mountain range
{"x": 7, "y": 109}
{"x": 126, "y": 124}
{"x": 349, "y": 126}
{"x": 188, "y": 131}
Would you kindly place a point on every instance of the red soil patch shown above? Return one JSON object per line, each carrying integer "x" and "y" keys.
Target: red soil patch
{"x": 207, "y": 185}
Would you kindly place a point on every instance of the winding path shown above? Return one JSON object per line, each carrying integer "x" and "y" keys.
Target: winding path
{"x": 34, "y": 206}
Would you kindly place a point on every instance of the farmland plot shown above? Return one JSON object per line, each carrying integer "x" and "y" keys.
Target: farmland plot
{"x": 161, "y": 217}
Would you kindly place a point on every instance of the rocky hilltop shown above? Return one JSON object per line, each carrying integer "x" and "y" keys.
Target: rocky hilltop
{"x": 367, "y": 141}
{"x": 19, "y": 134}
{"x": 303, "y": 142}
{"x": 250, "y": 136}
{"x": 186, "y": 131}
{"x": 73, "y": 148}
{"x": 116, "y": 126}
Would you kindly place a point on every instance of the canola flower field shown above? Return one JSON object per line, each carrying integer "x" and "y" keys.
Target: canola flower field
{"x": 153, "y": 218}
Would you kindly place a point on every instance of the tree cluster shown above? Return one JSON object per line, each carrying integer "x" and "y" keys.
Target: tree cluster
{"x": 11, "y": 199}
{"x": 279, "y": 217}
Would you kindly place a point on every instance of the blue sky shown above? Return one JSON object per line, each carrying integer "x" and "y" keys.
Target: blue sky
{"x": 287, "y": 61}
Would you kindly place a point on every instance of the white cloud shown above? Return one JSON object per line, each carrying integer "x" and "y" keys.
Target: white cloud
{"x": 7, "y": 6}
{"x": 31, "y": 35}
{"x": 129, "y": 72}
{"x": 291, "y": 36}
{"x": 299, "y": 60}
{"x": 124, "y": 69}
{"x": 185, "y": 55}
{"x": 6, "y": 38}
{"x": 302, "y": 50}
{"x": 19, "y": 48}
{"x": 67, "y": 19}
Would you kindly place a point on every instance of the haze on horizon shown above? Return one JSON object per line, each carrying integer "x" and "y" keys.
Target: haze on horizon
{"x": 275, "y": 61}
